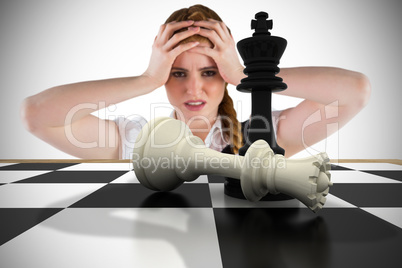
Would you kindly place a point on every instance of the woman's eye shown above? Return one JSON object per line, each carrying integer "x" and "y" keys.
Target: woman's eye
{"x": 209, "y": 73}
{"x": 178, "y": 74}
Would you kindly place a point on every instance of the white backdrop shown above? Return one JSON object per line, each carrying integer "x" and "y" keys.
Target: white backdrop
{"x": 44, "y": 43}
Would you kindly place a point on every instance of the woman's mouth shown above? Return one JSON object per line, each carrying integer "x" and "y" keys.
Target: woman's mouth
{"x": 195, "y": 105}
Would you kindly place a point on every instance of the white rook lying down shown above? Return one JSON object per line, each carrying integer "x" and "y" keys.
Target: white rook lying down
{"x": 166, "y": 154}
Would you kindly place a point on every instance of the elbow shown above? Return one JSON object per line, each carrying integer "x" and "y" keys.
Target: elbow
{"x": 28, "y": 113}
{"x": 362, "y": 90}
{"x": 357, "y": 91}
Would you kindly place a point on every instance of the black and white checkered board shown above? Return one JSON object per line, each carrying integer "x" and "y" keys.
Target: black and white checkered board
{"x": 98, "y": 215}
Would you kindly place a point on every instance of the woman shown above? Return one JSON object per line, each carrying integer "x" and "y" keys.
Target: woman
{"x": 194, "y": 57}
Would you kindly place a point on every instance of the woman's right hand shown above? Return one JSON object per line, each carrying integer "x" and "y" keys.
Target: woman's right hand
{"x": 165, "y": 50}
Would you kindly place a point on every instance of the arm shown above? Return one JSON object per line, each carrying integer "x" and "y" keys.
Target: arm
{"x": 62, "y": 116}
{"x": 332, "y": 95}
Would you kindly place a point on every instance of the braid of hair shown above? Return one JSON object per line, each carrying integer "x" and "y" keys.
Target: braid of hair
{"x": 231, "y": 126}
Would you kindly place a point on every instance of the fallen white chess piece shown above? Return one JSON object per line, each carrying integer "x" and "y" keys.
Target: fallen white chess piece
{"x": 166, "y": 154}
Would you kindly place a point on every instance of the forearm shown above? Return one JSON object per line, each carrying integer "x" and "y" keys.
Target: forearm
{"x": 51, "y": 107}
{"x": 324, "y": 85}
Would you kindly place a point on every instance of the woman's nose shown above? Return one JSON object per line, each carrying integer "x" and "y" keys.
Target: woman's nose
{"x": 194, "y": 86}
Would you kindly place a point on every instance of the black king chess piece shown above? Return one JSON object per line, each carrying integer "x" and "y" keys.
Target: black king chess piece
{"x": 261, "y": 54}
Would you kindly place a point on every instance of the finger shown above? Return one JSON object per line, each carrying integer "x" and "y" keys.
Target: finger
{"x": 204, "y": 50}
{"x": 171, "y": 27}
{"x": 218, "y": 26}
{"x": 212, "y": 36}
{"x": 223, "y": 30}
{"x": 184, "y": 47}
{"x": 161, "y": 29}
{"x": 178, "y": 37}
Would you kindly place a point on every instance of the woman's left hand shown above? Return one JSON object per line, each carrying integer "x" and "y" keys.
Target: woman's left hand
{"x": 224, "y": 51}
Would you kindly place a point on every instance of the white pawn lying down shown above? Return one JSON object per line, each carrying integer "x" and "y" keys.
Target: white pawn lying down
{"x": 166, "y": 154}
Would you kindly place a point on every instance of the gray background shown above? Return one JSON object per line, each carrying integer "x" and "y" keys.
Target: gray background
{"x": 45, "y": 43}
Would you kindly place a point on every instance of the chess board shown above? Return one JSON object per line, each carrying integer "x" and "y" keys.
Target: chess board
{"x": 99, "y": 215}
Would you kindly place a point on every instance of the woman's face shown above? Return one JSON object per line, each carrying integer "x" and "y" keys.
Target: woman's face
{"x": 195, "y": 87}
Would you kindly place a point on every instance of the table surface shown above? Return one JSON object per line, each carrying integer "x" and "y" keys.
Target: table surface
{"x": 74, "y": 213}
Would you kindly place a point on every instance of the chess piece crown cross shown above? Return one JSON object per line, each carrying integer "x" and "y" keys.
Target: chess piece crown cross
{"x": 261, "y": 25}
